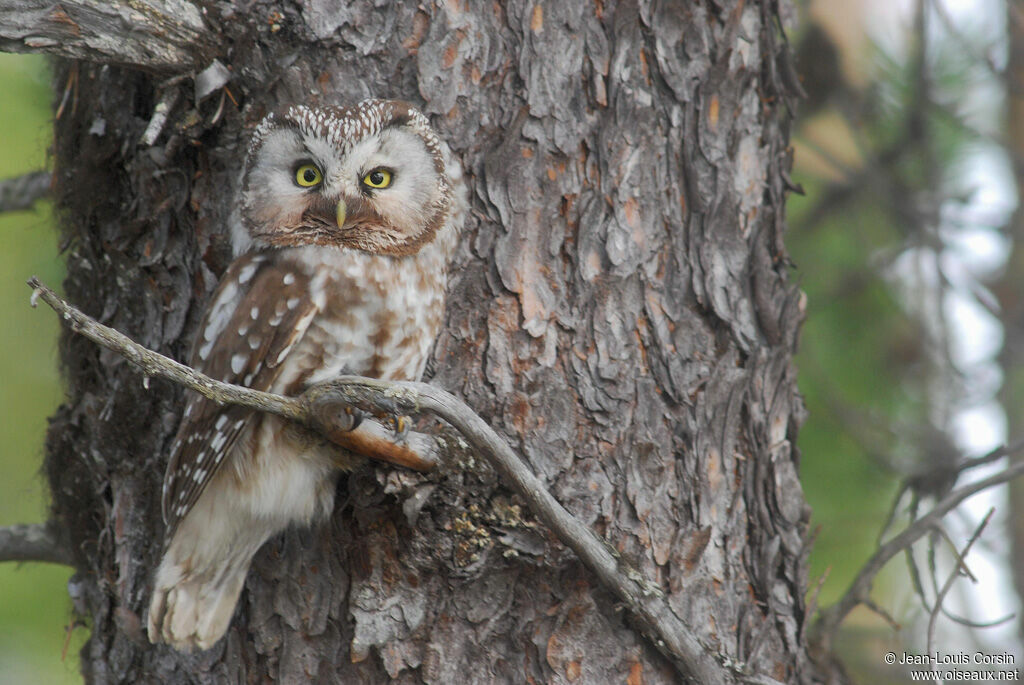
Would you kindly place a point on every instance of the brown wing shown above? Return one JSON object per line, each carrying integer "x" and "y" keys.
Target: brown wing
{"x": 260, "y": 310}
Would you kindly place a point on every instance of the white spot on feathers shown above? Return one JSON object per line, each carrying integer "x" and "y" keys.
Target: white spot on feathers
{"x": 238, "y": 362}
{"x": 247, "y": 272}
{"x": 218, "y": 441}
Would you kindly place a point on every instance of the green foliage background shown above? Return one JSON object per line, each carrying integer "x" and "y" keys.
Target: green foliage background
{"x": 34, "y": 604}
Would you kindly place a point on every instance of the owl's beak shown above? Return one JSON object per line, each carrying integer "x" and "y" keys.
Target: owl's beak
{"x": 340, "y": 213}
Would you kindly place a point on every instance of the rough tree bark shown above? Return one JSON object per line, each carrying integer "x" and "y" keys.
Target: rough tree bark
{"x": 620, "y": 311}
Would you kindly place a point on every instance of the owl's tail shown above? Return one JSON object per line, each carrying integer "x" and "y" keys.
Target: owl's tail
{"x": 197, "y": 588}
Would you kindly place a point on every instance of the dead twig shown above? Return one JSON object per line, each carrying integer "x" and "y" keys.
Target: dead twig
{"x": 159, "y": 35}
{"x": 32, "y": 542}
{"x": 21, "y": 192}
{"x": 830, "y": 619}
{"x": 959, "y": 569}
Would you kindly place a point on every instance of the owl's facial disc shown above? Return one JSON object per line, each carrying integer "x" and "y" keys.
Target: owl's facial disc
{"x": 369, "y": 177}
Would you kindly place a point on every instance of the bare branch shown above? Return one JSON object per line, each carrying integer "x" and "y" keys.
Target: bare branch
{"x": 325, "y": 406}
{"x": 32, "y": 542}
{"x": 159, "y": 35}
{"x": 154, "y": 364}
{"x": 959, "y": 569}
{"x": 829, "y": 620}
{"x": 21, "y": 192}
{"x": 995, "y": 455}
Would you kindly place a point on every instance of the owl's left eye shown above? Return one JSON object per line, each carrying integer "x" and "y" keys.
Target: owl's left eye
{"x": 378, "y": 178}
{"x": 308, "y": 176}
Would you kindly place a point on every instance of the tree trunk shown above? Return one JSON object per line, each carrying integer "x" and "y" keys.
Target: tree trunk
{"x": 620, "y": 311}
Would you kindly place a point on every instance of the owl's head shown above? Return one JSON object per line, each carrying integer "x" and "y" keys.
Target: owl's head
{"x": 370, "y": 177}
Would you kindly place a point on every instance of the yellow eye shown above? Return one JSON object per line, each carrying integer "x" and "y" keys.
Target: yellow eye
{"x": 378, "y": 178}
{"x": 308, "y": 176}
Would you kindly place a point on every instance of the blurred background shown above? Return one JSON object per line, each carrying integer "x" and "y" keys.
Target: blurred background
{"x": 910, "y": 359}
{"x": 34, "y": 607}
{"x": 910, "y": 149}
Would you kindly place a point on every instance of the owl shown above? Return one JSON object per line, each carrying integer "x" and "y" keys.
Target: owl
{"x": 349, "y": 217}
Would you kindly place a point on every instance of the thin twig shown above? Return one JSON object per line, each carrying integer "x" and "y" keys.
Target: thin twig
{"x": 968, "y": 623}
{"x": 957, "y": 555}
{"x": 32, "y": 542}
{"x": 812, "y": 603}
{"x": 21, "y": 192}
{"x": 322, "y": 404}
{"x": 995, "y": 455}
{"x": 956, "y": 573}
{"x": 159, "y": 366}
{"x": 979, "y": 56}
{"x": 881, "y": 612}
{"x": 829, "y": 619}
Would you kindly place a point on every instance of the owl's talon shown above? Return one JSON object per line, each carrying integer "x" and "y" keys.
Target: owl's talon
{"x": 350, "y": 418}
{"x": 400, "y": 425}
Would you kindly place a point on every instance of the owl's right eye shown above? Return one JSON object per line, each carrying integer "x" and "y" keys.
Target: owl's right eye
{"x": 308, "y": 176}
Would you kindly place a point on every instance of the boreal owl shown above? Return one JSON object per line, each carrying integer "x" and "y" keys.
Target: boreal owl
{"x": 349, "y": 218}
